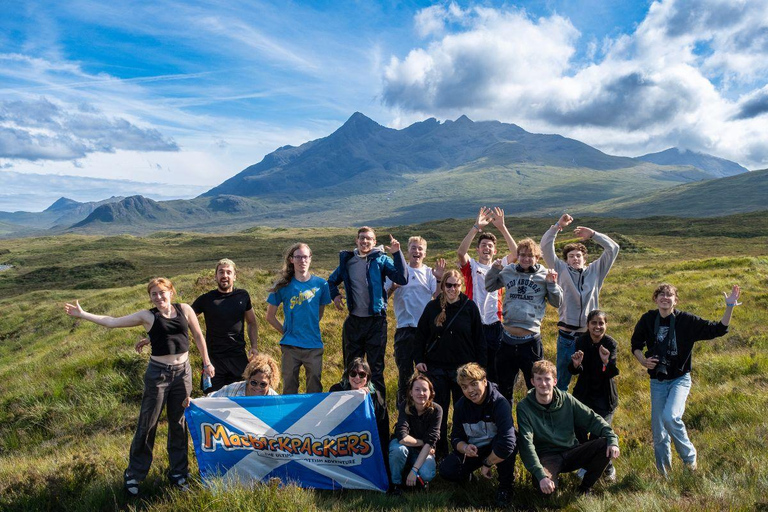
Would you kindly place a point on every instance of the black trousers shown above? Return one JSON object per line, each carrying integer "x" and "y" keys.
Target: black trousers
{"x": 446, "y": 387}
{"x": 457, "y": 468}
{"x": 404, "y": 339}
{"x": 492, "y": 333}
{"x": 366, "y": 336}
{"x": 229, "y": 369}
{"x": 512, "y": 359}
{"x": 591, "y": 456}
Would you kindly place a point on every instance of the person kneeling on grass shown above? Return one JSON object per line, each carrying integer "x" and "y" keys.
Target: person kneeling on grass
{"x": 594, "y": 361}
{"x": 416, "y": 432}
{"x": 261, "y": 378}
{"x": 547, "y": 419}
{"x": 483, "y": 433}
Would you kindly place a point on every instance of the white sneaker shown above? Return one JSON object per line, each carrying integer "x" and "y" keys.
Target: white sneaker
{"x": 610, "y": 474}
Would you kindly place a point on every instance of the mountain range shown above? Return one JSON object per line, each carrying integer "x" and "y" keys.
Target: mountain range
{"x": 367, "y": 173}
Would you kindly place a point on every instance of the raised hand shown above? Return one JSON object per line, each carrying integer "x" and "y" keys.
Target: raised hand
{"x": 498, "y": 218}
{"x": 564, "y": 220}
{"x": 583, "y": 233}
{"x": 139, "y": 346}
{"x": 73, "y": 309}
{"x": 552, "y": 275}
{"x": 577, "y": 358}
{"x": 439, "y": 269}
{"x": 483, "y": 217}
{"x": 497, "y": 263}
{"x": 394, "y": 245}
{"x": 733, "y": 298}
{"x": 605, "y": 354}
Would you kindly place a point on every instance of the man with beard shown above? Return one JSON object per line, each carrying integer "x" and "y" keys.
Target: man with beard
{"x": 224, "y": 310}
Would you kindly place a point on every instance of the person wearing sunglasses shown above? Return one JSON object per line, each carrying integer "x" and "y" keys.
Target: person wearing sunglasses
{"x": 449, "y": 335}
{"x": 261, "y": 376}
{"x": 358, "y": 377}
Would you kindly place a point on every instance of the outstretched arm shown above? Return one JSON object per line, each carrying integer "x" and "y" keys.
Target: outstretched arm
{"x": 498, "y": 221}
{"x": 143, "y": 317}
{"x": 731, "y": 301}
{"x": 548, "y": 240}
{"x": 483, "y": 218}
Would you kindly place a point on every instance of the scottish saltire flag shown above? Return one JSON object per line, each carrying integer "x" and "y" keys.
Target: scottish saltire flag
{"x": 321, "y": 440}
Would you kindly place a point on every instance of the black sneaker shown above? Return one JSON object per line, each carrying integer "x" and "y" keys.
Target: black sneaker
{"x": 502, "y": 498}
{"x": 396, "y": 490}
{"x": 180, "y": 483}
{"x": 131, "y": 488}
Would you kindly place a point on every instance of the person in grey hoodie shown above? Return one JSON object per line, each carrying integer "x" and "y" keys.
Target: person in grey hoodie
{"x": 581, "y": 285}
{"x": 529, "y": 287}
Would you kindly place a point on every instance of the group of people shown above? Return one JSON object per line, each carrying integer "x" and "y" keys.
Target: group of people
{"x": 450, "y": 346}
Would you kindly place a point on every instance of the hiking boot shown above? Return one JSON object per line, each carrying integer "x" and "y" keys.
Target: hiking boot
{"x": 180, "y": 483}
{"x": 396, "y": 490}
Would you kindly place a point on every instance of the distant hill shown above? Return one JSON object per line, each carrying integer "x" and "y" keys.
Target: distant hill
{"x": 367, "y": 173}
{"x": 719, "y": 167}
{"x": 742, "y": 193}
{"x": 62, "y": 213}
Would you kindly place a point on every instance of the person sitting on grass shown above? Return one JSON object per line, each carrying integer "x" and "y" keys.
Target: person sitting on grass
{"x": 261, "y": 376}
{"x": 547, "y": 419}
{"x": 594, "y": 361}
{"x": 483, "y": 433}
{"x": 358, "y": 377}
{"x": 167, "y": 381}
{"x": 669, "y": 335}
{"x": 416, "y": 433}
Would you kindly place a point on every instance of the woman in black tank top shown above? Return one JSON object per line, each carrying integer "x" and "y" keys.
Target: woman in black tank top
{"x": 167, "y": 381}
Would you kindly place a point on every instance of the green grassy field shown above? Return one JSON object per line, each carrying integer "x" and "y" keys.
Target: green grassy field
{"x": 71, "y": 390}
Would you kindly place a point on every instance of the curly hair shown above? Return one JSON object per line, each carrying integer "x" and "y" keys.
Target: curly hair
{"x": 263, "y": 363}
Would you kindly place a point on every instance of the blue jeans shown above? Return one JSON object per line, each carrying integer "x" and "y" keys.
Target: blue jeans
{"x": 667, "y": 407}
{"x": 565, "y": 349}
{"x": 402, "y": 458}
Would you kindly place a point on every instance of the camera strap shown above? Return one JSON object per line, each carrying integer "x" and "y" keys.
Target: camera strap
{"x": 670, "y": 340}
{"x": 432, "y": 345}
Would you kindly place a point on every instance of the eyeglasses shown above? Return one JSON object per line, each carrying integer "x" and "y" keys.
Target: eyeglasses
{"x": 255, "y": 384}
{"x": 357, "y": 373}
{"x": 452, "y": 285}
{"x": 301, "y": 257}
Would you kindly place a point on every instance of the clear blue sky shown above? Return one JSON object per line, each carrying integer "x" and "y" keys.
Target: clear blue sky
{"x": 191, "y": 92}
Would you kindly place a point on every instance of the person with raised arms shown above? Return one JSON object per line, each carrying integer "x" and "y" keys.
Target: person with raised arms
{"x": 304, "y": 297}
{"x": 667, "y": 335}
{"x": 475, "y": 270}
{"x": 449, "y": 334}
{"x": 595, "y": 363}
{"x": 409, "y": 302}
{"x": 226, "y": 311}
{"x": 167, "y": 380}
{"x": 363, "y": 272}
{"x": 529, "y": 286}
{"x": 547, "y": 419}
{"x": 581, "y": 285}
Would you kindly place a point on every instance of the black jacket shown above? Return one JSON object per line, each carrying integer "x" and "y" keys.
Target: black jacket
{"x": 463, "y": 342}
{"x": 596, "y": 387}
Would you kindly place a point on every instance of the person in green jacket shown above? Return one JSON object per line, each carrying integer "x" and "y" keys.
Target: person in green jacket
{"x": 547, "y": 419}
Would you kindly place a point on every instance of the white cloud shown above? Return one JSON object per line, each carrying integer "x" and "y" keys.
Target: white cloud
{"x": 683, "y": 78}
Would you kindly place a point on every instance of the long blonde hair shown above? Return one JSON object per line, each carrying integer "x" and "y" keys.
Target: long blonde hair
{"x": 443, "y": 300}
{"x": 288, "y": 270}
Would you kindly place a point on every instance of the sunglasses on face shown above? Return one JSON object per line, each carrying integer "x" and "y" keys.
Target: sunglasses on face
{"x": 255, "y": 384}
{"x": 355, "y": 373}
{"x": 452, "y": 285}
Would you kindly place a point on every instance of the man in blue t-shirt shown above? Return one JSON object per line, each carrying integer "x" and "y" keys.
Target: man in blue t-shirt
{"x": 304, "y": 297}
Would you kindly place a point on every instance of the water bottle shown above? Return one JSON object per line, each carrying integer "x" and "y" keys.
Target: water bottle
{"x": 206, "y": 382}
